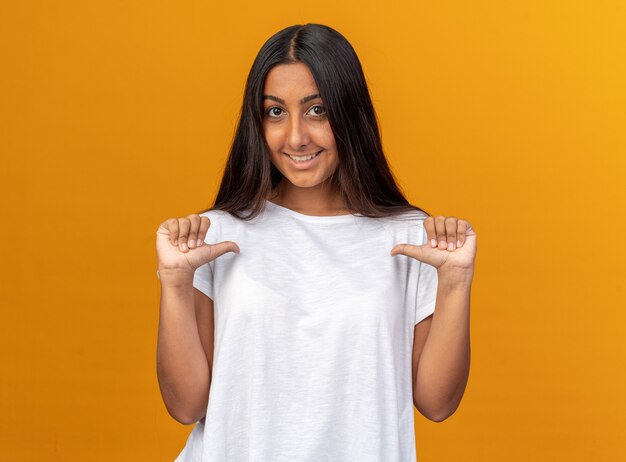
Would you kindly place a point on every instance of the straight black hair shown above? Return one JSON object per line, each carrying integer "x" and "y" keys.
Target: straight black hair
{"x": 363, "y": 176}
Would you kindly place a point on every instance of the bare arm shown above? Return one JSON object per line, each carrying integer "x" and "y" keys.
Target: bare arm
{"x": 186, "y": 327}
{"x": 441, "y": 345}
{"x": 441, "y": 352}
{"x": 184, "y": 351}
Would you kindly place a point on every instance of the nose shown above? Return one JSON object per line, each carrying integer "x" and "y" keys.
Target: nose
{"x": 298, "y": 136}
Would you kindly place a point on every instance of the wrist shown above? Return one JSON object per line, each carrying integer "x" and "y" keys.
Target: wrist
{"x": 175, "y": 277}
{"x": 461, "y": 279}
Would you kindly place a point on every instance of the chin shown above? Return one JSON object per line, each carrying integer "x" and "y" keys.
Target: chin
{"x": 304, "y": 183}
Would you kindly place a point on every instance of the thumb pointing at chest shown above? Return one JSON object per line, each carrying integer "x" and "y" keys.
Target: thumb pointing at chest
{"x": 424, "y": 253}
{"x": 198, "y": 256}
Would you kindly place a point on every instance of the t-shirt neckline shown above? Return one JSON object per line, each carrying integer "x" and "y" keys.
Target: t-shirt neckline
{"x": 346, "y": 218}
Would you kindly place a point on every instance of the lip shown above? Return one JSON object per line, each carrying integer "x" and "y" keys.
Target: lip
{"x": 304, "y": 165}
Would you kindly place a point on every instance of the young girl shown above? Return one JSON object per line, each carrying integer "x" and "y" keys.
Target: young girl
{"x": 312, "y": 307}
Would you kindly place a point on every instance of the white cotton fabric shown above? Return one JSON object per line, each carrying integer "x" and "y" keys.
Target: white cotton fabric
{"x": 314, "y": 324}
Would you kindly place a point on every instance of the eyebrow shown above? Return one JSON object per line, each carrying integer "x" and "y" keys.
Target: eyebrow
{"x": 282, "y": 101}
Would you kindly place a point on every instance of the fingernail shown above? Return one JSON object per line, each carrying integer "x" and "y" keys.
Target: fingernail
{"x": 458, "y": 243}
{"x": 433, "y": 242}
{"x": 200, "y": 242}
{"x": 450, "y": 246}
{"x": 184, "y": 246}
{"x": 192, "y": 243}
{"x": 442, "y": 244}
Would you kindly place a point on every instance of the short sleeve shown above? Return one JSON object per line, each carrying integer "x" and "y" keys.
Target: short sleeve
{"x": 426, "y": 288}
{"x": 203, "y": 279}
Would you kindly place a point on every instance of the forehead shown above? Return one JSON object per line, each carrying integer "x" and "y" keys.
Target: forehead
{"x": 289, "y": 79}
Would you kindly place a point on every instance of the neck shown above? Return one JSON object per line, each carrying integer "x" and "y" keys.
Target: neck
{"x": 323, "y": 199}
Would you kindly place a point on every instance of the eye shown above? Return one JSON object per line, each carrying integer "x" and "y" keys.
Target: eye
{"x": 272, "y": 111}
{"x": 321, "y": 110}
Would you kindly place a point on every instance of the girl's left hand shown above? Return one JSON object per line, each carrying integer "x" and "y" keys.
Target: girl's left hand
{"x": 448, "y": 256}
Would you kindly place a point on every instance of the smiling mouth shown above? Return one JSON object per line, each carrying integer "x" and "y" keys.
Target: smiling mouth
{"x": 304, "y": 158}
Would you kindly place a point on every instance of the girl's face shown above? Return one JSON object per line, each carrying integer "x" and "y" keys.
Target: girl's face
{"x": 296, "y": 127}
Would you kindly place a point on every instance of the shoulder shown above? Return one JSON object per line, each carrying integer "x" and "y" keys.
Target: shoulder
{"x": 228, "y": 217}
{"x": 222, "y": 224}
{"x": 407, "y": 226}
{"x": 215, "y": 215}
{"x": 407, "y": 219}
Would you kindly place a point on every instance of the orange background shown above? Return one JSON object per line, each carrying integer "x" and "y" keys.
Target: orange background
{"x": 117, "y": 115}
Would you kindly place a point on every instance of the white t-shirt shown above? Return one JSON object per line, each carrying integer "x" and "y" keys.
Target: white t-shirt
{"x": 314, "y": 324}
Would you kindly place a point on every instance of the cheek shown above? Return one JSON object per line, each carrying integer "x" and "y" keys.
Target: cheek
{"x": 272, "y": 138}
{"x": 335, "y": 161}
{"x": 328, "y": 138}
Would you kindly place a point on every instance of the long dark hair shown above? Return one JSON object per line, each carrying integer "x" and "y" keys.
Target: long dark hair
{"x": 363, "y": 176}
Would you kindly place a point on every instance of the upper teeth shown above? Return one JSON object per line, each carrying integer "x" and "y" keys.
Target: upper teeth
{"x": 303, "y": 158}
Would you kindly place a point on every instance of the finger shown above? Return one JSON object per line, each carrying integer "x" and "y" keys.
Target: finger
{"x": 409, "y": 250}
{"x": 461, "y": 227}
{"x": 205, "y": 223}
{"x": 431, "y": 235}
{"x": 470, "y": 230}
{"x": 451, "y": 232}
{"x": 424, "y": 253}
{"x": 183, "y": 226}
{"x": 222, "y": 247}
{"x": 172, "y": 226}
{"x": 440, "y": 230}
{"x": 163, "y": 229}
{"x": 194, "y": 221}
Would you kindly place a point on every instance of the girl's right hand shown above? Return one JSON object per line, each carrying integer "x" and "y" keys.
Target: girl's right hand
{"x": 180, "y": 244}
